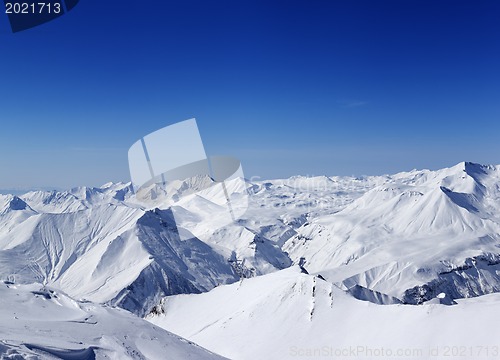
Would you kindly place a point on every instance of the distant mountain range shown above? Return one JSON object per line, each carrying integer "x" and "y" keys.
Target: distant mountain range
{"x": 419, "y": 237}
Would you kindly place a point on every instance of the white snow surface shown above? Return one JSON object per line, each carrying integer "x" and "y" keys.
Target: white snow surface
{"x": 422, "y": 233}
{"x": 290, "y": 315}
{"x": 37, "y": 322}
{"x": 419, "y": 237}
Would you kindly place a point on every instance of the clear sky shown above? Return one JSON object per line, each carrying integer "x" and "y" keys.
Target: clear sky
{"x": 289, "y": 87}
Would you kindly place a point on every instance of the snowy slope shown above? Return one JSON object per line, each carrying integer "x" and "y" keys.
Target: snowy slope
{"x": 100, "y": 244}
{"x": 290, "y": 314}
{"x": 419, "y": 235}
{"x": 107, "y": 245}
{"x": 41, "y": 323}
{"x": 107, "y": 252}
{"x": 408, "y": 236}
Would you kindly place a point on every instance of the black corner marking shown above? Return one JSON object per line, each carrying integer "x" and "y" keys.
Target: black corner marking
{"x": 26, "y": 14}
{"x": 70, "y": 4}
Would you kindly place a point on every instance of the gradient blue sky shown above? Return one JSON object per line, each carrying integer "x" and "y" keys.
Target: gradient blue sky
{"x": 289, "y": 87}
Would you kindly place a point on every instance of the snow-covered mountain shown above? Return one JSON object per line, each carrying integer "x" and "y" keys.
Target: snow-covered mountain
{"x": 103, "y": 245}
{"x": 290, "y": 314}
{"x": 421, "y": 234}
{"x": 95, "y": 246}
{"x": 417, "y": 237}
{"x": 409, "y": 236}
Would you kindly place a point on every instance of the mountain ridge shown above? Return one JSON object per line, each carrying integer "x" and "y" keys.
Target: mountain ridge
{"x": 106, "y": 245}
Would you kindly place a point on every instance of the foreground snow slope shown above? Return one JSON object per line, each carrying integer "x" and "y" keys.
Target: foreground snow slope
{"x": 40, "y": 323}
{"x": 290, "y": 314}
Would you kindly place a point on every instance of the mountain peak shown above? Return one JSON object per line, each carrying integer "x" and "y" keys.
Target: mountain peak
{"x": 17, "y": 204}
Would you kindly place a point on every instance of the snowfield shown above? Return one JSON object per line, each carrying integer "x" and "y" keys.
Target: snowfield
{"x": 315, "y": 267}
{"x": 290, "y": 314}
{"x": 42, "y": 323}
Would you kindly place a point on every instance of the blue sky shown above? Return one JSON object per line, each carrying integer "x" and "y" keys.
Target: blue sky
{"x": 289, "y": 87}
